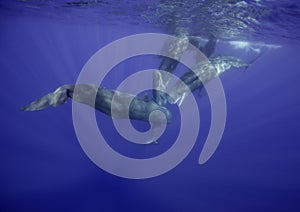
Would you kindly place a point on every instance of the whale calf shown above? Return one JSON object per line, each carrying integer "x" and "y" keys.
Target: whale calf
{"x": 202, "y": 73}
{"x": 169, "y": 64}
{"x": 174, "y": 51}
{"x": 101, "y": 99}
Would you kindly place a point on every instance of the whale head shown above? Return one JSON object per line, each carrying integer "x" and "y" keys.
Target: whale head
{"x": 160, "y": 114}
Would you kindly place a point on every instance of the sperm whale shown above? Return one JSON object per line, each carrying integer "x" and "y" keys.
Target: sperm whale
{"x": 101, "y": 99}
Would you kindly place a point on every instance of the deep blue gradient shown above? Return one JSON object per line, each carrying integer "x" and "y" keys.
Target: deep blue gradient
{"x": 43, "y": 168}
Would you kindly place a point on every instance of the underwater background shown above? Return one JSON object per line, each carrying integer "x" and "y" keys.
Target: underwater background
{"x": 44, "y": 44}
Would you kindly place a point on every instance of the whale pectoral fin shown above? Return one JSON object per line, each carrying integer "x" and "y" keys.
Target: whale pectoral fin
{"x": 58, "y": 97}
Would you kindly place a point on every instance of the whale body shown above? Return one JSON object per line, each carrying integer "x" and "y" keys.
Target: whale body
{"x": 101, "y": 99}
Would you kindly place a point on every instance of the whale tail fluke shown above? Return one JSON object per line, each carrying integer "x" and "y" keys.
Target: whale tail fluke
{"x": 39, "y": 104}
{"x": 58, "y": 97}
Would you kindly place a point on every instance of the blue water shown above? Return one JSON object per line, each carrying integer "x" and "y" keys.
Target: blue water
{"x": 44, "y": 44}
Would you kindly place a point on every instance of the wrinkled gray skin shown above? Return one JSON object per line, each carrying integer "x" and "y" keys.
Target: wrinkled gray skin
{"x": 168, "y": 64}
{"x": 102, "y": 99}
{"x": 201, "y": 73}
{"x": 208, "y": 49}
{"x": 190, "y": 79}
{"x": 220, "y": 65}
{"x": 139, "y": 108}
